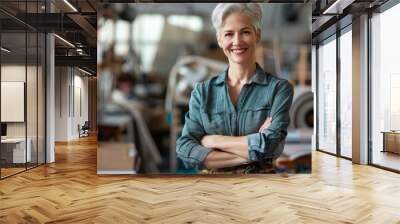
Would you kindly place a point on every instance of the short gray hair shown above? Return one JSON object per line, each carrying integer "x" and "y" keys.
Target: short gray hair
{"x": 253, "y": 10}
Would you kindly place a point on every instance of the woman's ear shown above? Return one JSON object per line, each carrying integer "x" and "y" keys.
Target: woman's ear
{"x": 258, "y": 36}
{"x": 219, "y": 40}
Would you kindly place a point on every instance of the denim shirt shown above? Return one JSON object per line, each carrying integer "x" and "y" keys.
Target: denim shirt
{"x": 211, "y": 112}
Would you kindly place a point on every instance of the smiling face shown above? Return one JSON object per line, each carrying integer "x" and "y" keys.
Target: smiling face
{"x": 238, "y": 38}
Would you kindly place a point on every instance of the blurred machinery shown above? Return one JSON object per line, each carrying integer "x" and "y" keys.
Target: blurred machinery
{"x": 302, "y": 110}
{"x": 296, "y": 156}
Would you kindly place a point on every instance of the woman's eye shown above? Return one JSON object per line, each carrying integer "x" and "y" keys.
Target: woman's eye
{"x": 228, "y": 34}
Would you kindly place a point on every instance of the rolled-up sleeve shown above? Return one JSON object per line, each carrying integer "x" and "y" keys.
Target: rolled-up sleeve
{"x": 269, "y": 143}
{"x": 188, "y": 146}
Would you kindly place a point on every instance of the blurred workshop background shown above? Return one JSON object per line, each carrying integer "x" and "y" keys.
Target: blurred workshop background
{"x": 149, "y": 58}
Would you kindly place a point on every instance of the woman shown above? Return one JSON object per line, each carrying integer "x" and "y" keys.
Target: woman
{"x": 237, "y": 121}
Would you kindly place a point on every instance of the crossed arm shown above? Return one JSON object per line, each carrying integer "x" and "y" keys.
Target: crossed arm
{"x": 196, "y": 148}
{"x": 228, "y": 150}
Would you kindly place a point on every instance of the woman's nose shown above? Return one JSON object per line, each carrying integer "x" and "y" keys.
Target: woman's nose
{"x": 236, "y": 39}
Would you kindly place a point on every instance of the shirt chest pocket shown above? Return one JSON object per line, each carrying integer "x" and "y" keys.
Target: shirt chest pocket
{"x": 255, "y": 117}
{"x": 213, "y": 123}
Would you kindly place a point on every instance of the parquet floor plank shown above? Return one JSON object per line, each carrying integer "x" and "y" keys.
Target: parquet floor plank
{"x": 69, "y": 191}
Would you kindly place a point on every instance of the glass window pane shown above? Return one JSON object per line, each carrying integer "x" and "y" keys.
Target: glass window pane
{"x": 146, "y": 43}
{"x": 13, "y": 87}
{"x": 41, "y": 99}
{"x": 31, "y": 98}
{"x": 122, "y": 29}
{"x": 22, "y": 93}
{"x": 327, "y": 97}
{"x": 194, "y": 23}
{"x": 106, "y": 31}
{"x": 346, "y": 94}
{"x": 385, "y": 88}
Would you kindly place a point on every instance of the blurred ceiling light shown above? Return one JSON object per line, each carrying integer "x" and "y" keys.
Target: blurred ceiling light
{"x": 5, "y": 50}
{"x": 79, "y": 51}
{"x": 64, "y": 40}
{"x": 78, "y": 44}
{"x": 84, "y": 71}
{"x": 338, "y": 6}
{"x": 194, "y": 23}
{"x": 331, "y": 7}
{"x": 70, "y": 5}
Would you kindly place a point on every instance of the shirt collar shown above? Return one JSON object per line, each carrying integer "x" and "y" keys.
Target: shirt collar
{"x": 260, "y": 77}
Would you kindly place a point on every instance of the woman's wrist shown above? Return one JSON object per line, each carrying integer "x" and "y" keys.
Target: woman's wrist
{"x": 209, "y": 141}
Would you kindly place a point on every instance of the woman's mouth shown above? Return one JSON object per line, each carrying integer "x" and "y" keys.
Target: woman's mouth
{"x": 238, "y": 51}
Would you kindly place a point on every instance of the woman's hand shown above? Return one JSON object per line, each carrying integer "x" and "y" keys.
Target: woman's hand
{"x": 266, "y": 124}
{"x": 208, "y": 141}
{"x": 218, "y": 159}
{"x": 236, "y": 145}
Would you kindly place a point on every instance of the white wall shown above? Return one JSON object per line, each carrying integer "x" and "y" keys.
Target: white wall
{"x": 61, "y": 103}
{"x": 71, "y": 93}
{"x": 80, "y": 118}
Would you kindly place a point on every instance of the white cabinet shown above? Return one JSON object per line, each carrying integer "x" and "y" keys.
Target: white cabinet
{"x": 18, "y": 149}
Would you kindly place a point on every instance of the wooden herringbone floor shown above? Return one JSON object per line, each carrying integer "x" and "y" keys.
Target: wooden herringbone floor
{"x": 69, "y": 191}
